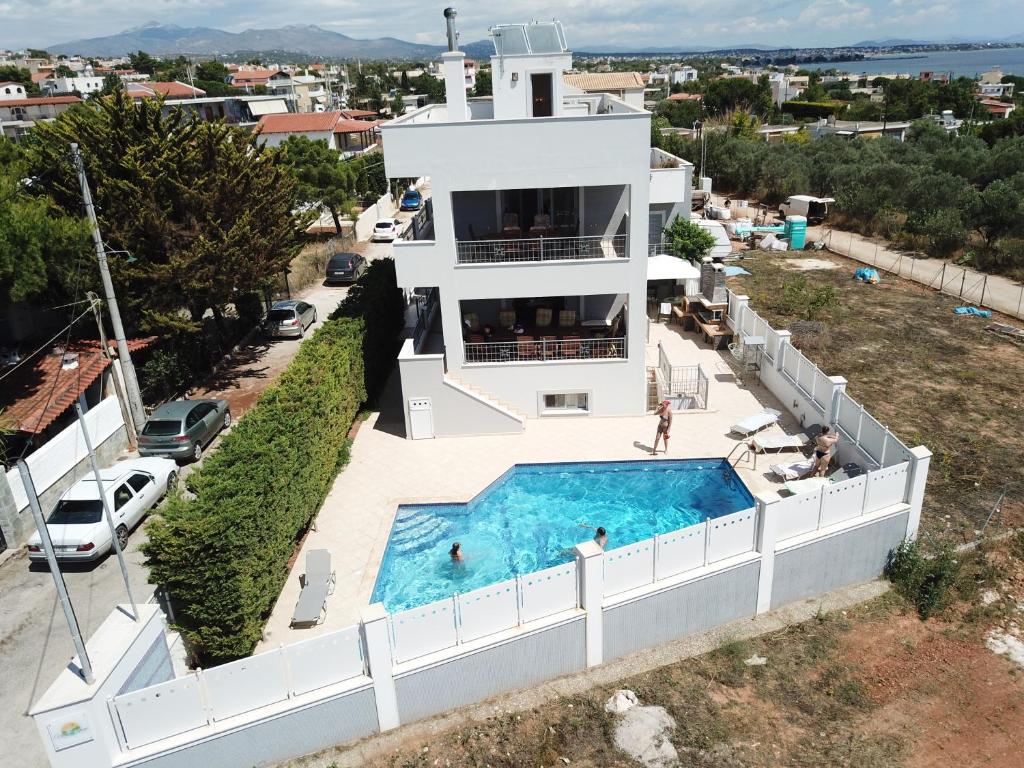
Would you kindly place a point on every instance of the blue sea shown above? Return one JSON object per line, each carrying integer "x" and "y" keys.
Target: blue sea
{"x": 960, "y": 63}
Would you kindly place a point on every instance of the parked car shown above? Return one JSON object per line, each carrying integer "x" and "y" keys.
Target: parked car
{"x": 412, "y": 200}
{"x": 289, "y": 318}
{"x": 345, "y": 268}
{"x": 385, "y": 230}
{"x": 77, "y": 528}
{"x": 179, "y": 429}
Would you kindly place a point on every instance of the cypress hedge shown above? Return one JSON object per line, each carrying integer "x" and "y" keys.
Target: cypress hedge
{"x": 223, "y": 556}
{"x": 377, "y": 299}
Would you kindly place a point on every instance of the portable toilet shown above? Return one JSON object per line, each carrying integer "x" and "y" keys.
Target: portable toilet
{"x": 796, "y": 232}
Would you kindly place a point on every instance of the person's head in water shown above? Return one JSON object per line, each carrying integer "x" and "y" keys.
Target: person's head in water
{"x": 825, "y": 430}
{"x": 601, "y": 531}
{"x": 600, "y": 536}
{"x": 456, "y": 551}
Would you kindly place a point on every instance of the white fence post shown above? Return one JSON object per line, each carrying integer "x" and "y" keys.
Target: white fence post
{"x": 780, "y": 356}
{"x": 767, "y": 529}
{"x": 590, "y": 564}
{"x": 838, "y": 387}
{"x": 920, "y": 459}
{"x": 377, "y": 644}
{"x": 741, "y": 310}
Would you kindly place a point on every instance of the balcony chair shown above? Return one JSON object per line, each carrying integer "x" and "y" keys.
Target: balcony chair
{"x": 543, "y": 318}
{"x": 570, "y": 346}
{"x": 526, "y": 348}
{"x": 510, "y": 225}
{"x": 471, "y": 321}
{"x": 541, "y": 226}
{"x": 549, "y": 348}
{"x": 567, "y": 318}
{"x": 507, "y": 319}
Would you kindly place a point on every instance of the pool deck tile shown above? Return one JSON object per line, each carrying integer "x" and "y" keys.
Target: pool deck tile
{"x": 386, "y": 470}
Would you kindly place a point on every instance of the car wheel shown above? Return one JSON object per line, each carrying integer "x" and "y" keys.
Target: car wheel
{"x": 314, "y": 318}
{"x": 197, "y": 452}
{"x": 172, "y": 482}
{"x": 122, "y": 537}
{"x": 227, "y": 419}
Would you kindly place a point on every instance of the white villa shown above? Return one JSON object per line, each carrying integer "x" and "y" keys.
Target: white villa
{"x": 535, "y": 266}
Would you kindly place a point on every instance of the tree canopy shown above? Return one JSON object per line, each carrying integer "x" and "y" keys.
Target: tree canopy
{"x": 322, "y": 179}
{"x": 688, "y": 240}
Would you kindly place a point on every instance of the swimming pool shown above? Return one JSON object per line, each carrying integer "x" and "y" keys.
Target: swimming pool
{"x": 530, "y": 518}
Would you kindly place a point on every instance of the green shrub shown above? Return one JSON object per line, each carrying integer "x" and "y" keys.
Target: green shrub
{"x": 223, "y": 556}
{"x": 378, "y": 301}
{"x": 688, "y": 240}
{"x": 924, "y": 581}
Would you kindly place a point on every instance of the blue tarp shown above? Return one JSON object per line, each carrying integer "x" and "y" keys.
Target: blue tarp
{"x": 734, "y": 271}
{"x": 973, "y": 311}
{"x": 867, "y": 275}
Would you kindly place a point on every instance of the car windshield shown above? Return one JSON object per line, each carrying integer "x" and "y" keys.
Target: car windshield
{"x": 384, "y": 225}
{"x": 281, "y": 314}
{"x": 412, "y": 195}
{"x": 158, "y": 428}
{"x": 76, "y": 512}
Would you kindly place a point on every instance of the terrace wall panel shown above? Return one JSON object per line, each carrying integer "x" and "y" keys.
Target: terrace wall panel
{"x": 835, "y": 561}
{"x": 477, "y": 675}
{"x": 690, "y": 607}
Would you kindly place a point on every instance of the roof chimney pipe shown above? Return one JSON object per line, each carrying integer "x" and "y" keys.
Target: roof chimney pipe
{"x": 449, "y": 15}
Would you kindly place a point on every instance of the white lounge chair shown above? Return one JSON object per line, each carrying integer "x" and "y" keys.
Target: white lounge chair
{"x": 757, "y": 422}
{"x": 766, "y": 443}
{"x": 794, "y": 470}
{"x": 796, "y": 487}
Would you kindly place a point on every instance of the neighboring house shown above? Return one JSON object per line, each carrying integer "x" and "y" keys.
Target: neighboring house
{"x": 855, "y": 129}
{"x": 684, "y": 75}
{"x": 535, "y": 261}
{"x": 169, "y": 90}
{"x": 79, "y": 84}
{"x": 623, "y": 85}
{"x": 948, "y": 122}
{"x": 271, "y": 79}
{"x": 11, "y": 91}
{"x": 999, "y": 110}
{"x": 994, "y": 76}
{"x": 995, "y": 90}
{"x": 685, "y": 97}
{"x": 469, "y": 70}
{"x": 18, "y": 115}
{"x": 339, "y": 133}
{"x": 777, "y": 132}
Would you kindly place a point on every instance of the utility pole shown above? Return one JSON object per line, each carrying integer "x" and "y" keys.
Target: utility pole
{"x": 131, "y": 383}
{"x": 58, "y": 577}
{"x": 107, "y": 512}
{"x": 126, "y": 414}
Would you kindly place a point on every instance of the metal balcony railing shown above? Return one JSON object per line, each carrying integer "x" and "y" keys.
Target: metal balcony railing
{"x": 534, "y": 350}
{"x": 541, "y": 249}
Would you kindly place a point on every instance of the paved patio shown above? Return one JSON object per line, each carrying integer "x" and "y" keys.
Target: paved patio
{"x": 387, "y": 470}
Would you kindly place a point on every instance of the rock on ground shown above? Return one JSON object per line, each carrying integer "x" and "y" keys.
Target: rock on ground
{"x": 620, "y": 702}
{"x": 641, "y": 733}
{"x": 1006, "y": 645}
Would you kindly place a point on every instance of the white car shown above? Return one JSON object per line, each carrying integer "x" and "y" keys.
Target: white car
{"x": 385, "y": 230}
{"x": 76, "y": 525}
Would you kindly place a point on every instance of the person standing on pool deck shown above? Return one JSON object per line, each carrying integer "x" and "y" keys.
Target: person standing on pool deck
{"x": 664, "y": 414}
{"x": 455, "y": 553}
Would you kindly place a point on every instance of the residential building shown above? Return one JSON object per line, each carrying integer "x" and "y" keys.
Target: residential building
{"x": 858, "y": 129}
{"x": 623, "y": 85}
{"x": 686, "y": 97}
{"x": 999, "y": 110}
{"x": 18, "y": 115}
{"x": 152, "y": 89}
{"x": 683, "y": 75}
{"x": 777, "y": 132}
{"x": 534, "y": 264}
{"x": 469, "y": 71}
{"x": 81, "y": 84}
{"x": 341, "y": 134}
{"x": 11, "y": 91}
{"x": 995, "y": 90}
{"x": 994, "y": 76}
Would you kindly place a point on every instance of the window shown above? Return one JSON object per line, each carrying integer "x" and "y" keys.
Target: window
{"x": 138, "y": 481}
{"x": 193, "y": 417}
{"x": 122, "y": 496}
{"x": 566, "y": 402}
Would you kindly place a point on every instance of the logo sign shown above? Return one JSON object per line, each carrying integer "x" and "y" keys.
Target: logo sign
{"x": 69, "y": 730}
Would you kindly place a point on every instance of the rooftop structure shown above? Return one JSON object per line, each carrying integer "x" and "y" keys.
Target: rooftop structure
{"x": 535, "y": 260}
{"x": 170, "y": 90}
{"x": 627, "y": 86}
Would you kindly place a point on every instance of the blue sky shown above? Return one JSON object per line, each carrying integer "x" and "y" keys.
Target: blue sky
{"x": 588, "y": 22}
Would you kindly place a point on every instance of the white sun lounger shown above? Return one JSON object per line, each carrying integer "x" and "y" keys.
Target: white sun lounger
{"x": 796, "y": 487}
{"x": 794, "y": 470}
{"x": 757, "y": 422}
{"x": 765, "y": 443}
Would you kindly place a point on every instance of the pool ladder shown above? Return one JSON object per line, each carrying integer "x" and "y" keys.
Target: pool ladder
{"x": 745, "y": 453}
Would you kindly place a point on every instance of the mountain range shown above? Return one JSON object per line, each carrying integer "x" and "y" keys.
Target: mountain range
{"x": 165, "y": 39}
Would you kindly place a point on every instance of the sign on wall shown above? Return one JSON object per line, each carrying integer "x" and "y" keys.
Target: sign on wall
{"x": 69, "y": 730}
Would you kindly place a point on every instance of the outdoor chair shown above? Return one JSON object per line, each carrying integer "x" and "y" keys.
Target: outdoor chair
{"x": 808, "y": 485}
{"x": 471, "y": 321}
{"x": 570, "y": 346}
{"x": 794, "y": 469}
{"x": 778, "y": 443}
{"x": 526, "y": 348}
{"x": 567, "y": 318}
{"x": 507, "y": 319}
{"x": 757, "y": 422}
{"x": 543, "y": 318}
{"x": 316, "y": 586}
{"x": 549, "y": 347}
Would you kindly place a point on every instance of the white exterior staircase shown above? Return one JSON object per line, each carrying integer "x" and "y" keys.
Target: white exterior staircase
{"x": 471, "y": 390}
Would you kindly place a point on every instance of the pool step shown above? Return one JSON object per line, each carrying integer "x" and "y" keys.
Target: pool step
{"x": 485, "y": 397}
{"x": 421, "y": 528}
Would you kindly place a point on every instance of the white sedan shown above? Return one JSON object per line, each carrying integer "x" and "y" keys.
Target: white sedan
{"x": 77, "y": 528}
{"x": 385, "y": 230}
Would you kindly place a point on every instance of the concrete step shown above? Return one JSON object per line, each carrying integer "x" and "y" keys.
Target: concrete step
{"x": 485, "y": 397}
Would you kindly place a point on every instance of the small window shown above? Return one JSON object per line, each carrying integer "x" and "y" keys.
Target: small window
{"x": 122, "y": 496}
{"x": 138, "y": 481}
{"x": 567, "y": 402}
{"x": 193, "y": 418}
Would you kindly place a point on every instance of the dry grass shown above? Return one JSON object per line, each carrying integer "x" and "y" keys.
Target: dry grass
{"x": 934, "y": 378}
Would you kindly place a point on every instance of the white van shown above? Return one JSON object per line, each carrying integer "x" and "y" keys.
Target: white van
{"x": 814, "y": 208}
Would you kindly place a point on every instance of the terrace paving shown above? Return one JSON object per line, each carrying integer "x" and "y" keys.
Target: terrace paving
{"x": 386, "y": 470}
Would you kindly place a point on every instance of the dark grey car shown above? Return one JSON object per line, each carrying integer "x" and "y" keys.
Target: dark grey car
{"x": 289, "y": 318}
{"x": 345, "y": 268}
{"x": 179, "y": 429}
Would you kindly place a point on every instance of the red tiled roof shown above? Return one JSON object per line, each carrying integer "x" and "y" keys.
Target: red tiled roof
{"x": 356, "y": 126}
{"x": 40, "y": 100}
{"x": 26, "y": 401}
{"x": 172, "y": 90}
{"x": 293, "y": 122}
{"x": 990, "y": 103}
{"x": 11, "y": 82}
{"x": 253, "y": 76}
{"x": 355, "y": 114}
{"x": 685, "y": 97}
{"x": 38, "y": 77}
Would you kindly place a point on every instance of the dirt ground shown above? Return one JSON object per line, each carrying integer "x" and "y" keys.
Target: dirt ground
{"x": 933, "y": 377}
{"x": 872, "y": 687}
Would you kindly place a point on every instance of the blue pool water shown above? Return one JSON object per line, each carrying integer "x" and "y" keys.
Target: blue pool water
{"x": 530, "y": 519}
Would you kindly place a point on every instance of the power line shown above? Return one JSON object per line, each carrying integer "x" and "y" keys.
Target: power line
{"x": 46, "y": 345}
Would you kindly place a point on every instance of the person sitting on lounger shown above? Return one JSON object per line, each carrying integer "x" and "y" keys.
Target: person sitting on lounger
{"x": 455, "y": 553}
{"x": 664, "y": 414}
